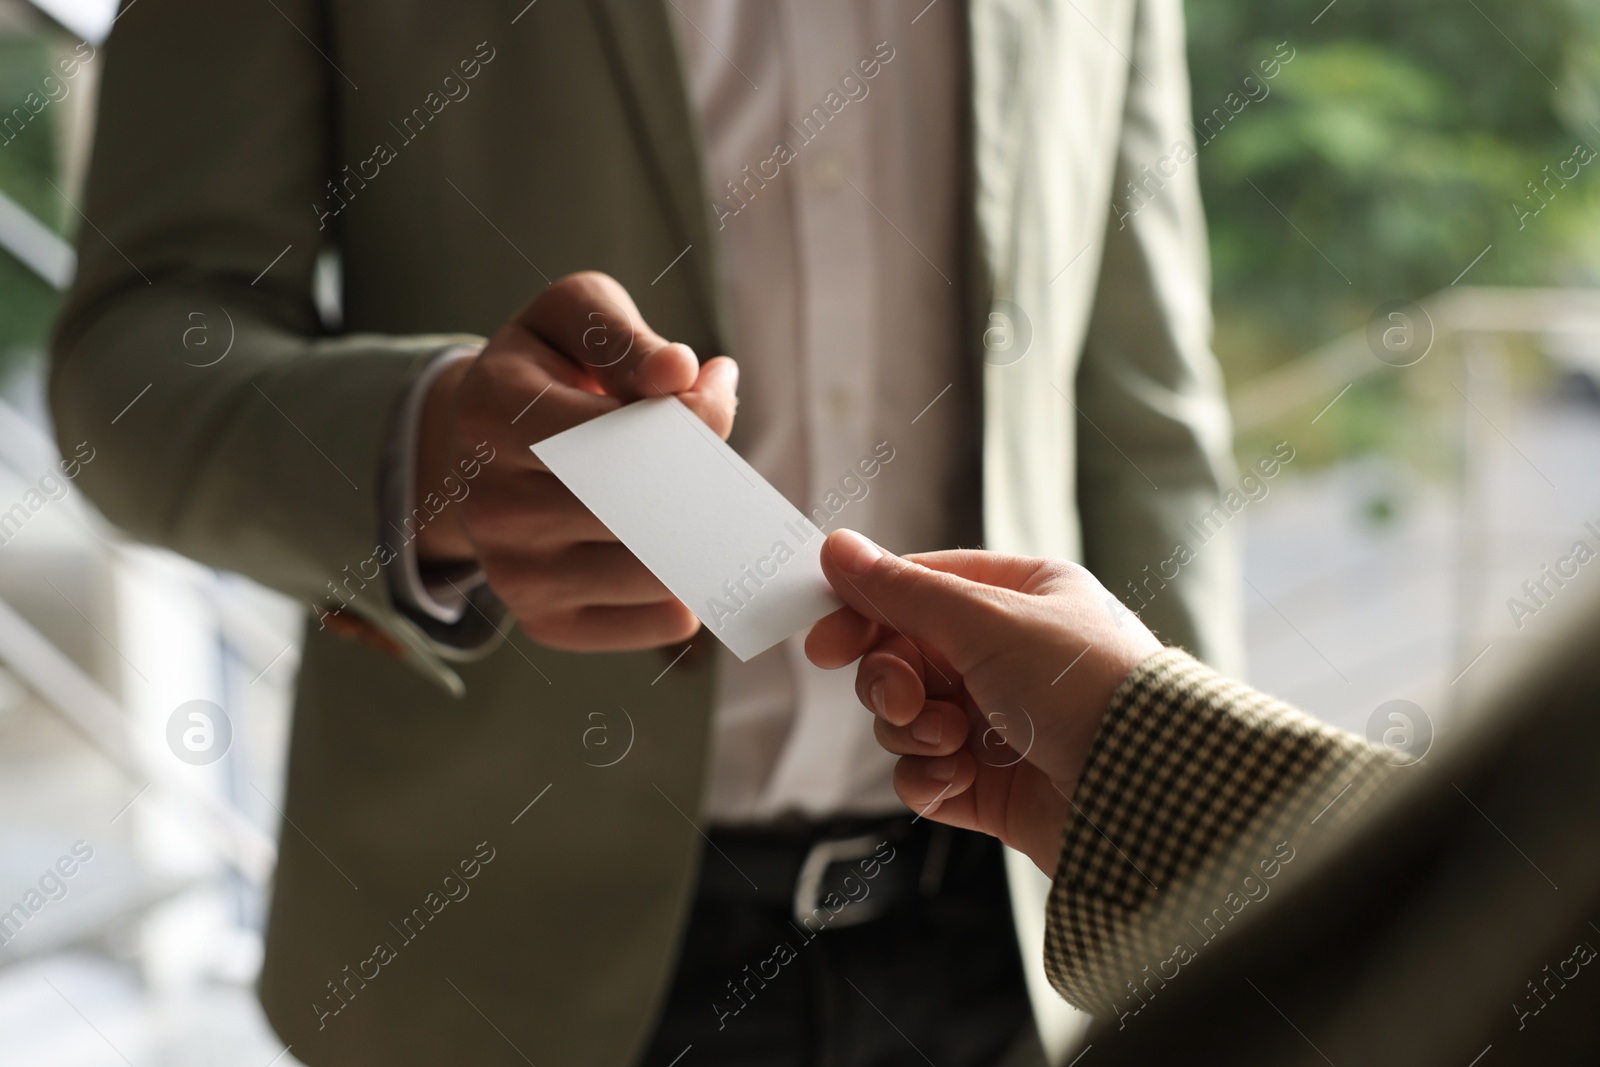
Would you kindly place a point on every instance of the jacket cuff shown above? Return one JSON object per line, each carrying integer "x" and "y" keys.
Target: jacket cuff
{"x": 1190, "y": 775}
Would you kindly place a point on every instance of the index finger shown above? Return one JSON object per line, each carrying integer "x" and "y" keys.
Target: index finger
{"x": 520, "y": 392}
{"x": 590, "y": 319}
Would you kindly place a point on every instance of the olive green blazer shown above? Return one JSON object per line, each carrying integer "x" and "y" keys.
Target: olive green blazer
{"x": 458, "y": 157}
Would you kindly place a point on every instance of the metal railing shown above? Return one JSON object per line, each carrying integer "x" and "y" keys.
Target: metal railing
{"x": 1472, "y": 331}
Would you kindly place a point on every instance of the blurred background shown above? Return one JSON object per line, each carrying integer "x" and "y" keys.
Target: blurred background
{"x": 1405, "y": 230}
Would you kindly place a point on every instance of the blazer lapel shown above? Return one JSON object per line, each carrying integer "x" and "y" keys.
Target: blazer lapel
{"x": 639, "y": 44}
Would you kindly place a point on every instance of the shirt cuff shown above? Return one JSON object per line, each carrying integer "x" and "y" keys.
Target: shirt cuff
{"x": 438, "y": 592}
{"x": 1195, "y": 784}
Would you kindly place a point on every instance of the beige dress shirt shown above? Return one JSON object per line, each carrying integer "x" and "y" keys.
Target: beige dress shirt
{"x": 830, "y": 141}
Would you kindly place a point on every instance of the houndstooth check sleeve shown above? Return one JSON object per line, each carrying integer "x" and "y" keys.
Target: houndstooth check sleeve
{"x": 1191, "y": 802}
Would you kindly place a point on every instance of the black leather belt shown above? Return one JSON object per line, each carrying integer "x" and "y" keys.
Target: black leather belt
{"x": 829, "y": 875}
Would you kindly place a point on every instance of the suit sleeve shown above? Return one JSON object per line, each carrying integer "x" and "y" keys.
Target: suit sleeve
{"x": 1197, "y": 791}
{"x": 226, "y": 425}
{"x": 1154, "y": 435}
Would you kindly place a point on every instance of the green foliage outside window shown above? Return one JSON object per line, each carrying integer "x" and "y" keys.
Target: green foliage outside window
{"x": 1396, "y": 140}
{"x": 28, "y": 161}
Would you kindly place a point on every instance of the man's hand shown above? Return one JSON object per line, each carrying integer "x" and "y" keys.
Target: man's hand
{"x": 579, "y": 350}
{"x": 988, "y": 674}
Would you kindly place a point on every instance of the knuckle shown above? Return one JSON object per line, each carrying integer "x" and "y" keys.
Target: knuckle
{"x": 576, "y": 288}
{"x": 1057, "y": 576}
{"x": 900, "y": 584}
{"x": 531, "y": 596}
{"x": 577, "y": 284}
{"x": 567, "y": 585}
{"x": 587, "y": 280}
{"x": 496, "y": 524}
{"x": 1064, "y": 570}
{"x": 990, "y": 607}
{"x": 542, "y": 627}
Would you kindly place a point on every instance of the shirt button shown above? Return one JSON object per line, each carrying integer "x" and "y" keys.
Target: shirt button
{"x": 840, "y": 405}
{"x": 828, "y": 173}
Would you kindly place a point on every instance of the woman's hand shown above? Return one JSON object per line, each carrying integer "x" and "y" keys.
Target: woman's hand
{"x": 988, "y": 674}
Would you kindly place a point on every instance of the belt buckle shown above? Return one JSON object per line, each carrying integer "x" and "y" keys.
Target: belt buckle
{"x": 823, "y": 855}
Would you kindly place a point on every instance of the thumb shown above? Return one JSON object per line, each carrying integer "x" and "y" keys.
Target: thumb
{"x": 943, "y": 611}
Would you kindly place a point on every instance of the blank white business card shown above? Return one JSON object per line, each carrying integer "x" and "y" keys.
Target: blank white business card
{"x": 716, "y": 533}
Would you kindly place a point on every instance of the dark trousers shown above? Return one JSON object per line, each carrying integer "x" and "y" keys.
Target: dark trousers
{"x": 936, "y": 978}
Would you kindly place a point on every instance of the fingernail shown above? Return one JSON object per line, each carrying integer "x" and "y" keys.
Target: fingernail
{"x": 927, "y": 727}
{"x": 659, "y": 354}
{"x": 942, "y": 769}
{"x": 876, "y": 695}
{"x": 852, "y": 552}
